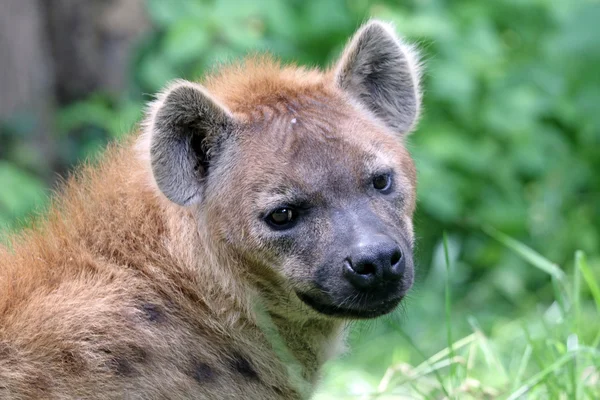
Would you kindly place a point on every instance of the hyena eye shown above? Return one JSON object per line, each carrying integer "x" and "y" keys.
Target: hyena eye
{"x": 282, "y": 218}
{"x": 382, "y": 182}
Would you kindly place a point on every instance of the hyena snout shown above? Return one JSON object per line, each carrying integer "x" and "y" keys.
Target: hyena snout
{"x": 374, "y": 262}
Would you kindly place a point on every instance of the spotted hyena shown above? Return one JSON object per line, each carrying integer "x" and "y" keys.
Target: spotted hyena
{"x": 219, "y": 253}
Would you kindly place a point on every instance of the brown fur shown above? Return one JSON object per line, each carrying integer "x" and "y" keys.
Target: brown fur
{"x": 118, "y": 293}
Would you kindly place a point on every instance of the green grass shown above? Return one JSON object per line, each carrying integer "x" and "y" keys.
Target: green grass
{"x": 549, "y": 353}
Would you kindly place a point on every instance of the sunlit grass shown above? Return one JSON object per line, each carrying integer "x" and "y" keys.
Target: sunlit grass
{"x": 547, "y": 354}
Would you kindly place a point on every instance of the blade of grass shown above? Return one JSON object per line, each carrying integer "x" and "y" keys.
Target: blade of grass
{"x": 426, "y": 365}
{"x": 522, "y": 367}
{"x": 596, "y": 341}
{"x": 488, "y": 353}
{"x": 558, "y": 282}
{"x": 588, "y": 276}
{"x": 573, "y": 345}
{"x": 422, "y": 355}
{"x": 551, "y": 349}
{"x": 575, "y": 370}
{"x": 527, "y": 253}
{"x": 418, "y": 378}
{"x": 590, "y": 280}
{"x": 383, "y": 386}
{"x": 441, "y": 364}
{"x": 471, "y": 356}
{"x": 560, "y": 296}
{"x": 540, "y": 377}
{"x": 446, "y": 352}
{"x": 577, "y": 291}
{"x": 449, "y": 311}
{"x": 537, "y": 353}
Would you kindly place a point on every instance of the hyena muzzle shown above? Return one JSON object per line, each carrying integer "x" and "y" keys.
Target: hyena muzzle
{"x": 221, "y": 252}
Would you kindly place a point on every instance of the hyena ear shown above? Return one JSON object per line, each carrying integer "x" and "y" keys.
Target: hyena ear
{"x": 382, "y": 73}
{"x": 185, "y": 125}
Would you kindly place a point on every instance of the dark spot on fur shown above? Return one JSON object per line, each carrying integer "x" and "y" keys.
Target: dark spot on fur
{"x": 72, "y": 361}
{"x": 153, "y": 312}
{"x": 137, "y": 353}
{"x": 121, "y": 366}
{"x": 7, "y": 355}
{"x": 243, "y": 366}
{"x": 203, "y": 372}
{"x": 123, "y": 360}
{"x": 5, "y": 351}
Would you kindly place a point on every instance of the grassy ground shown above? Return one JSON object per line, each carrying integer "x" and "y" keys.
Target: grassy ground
{"x": 549, "y": 352}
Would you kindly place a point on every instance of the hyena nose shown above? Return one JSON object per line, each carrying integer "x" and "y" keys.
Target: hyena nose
{"x": 371, "y": 264}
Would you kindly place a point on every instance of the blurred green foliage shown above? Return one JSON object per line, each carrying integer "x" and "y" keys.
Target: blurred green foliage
{"x": 509, "y": 137}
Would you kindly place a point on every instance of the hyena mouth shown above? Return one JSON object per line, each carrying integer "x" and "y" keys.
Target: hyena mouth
{"x": 355, "y": 310}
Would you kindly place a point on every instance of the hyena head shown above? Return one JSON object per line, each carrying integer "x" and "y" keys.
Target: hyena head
{"x": 302, "y": 175}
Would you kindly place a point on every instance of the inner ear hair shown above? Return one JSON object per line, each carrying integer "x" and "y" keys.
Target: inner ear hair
{"x": 185, "y": 125}
{"x": 382, "y": 73}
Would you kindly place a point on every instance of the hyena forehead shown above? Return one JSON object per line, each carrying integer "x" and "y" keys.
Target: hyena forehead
{"x": 323, "y": 148}
{"x": 320, "y": 122}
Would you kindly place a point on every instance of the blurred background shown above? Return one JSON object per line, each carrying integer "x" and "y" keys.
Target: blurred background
{"x": 509, "y": 139}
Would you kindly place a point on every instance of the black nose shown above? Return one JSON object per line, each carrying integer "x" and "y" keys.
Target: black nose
{"x": 373, "y": 262}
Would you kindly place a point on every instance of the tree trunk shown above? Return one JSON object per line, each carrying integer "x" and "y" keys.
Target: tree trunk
{"x": 54, "y": 52}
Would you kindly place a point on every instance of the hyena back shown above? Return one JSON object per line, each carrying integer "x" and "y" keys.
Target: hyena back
{"x": 220, "y": 253}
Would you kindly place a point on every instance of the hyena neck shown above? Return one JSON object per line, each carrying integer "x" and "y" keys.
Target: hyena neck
{"x": 310, "y": 342}
{"x": 297, "y": 336}
{"x": 303, "y": 346}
